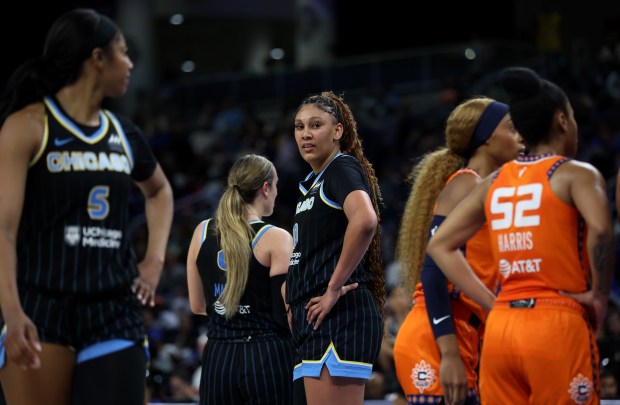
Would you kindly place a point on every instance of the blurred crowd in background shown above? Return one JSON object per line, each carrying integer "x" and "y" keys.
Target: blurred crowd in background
{"x": 397, "y": 127}
{"x": 196, "y": 143}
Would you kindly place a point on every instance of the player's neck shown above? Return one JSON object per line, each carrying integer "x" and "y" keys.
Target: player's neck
{"x": 79, "y": 106}
{"x": 252, "y": 214}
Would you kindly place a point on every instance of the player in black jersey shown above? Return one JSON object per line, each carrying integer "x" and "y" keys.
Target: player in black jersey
{"x": 70, "y": 288}
{"x": 335, "y": 284}
{"x": 236, "y": 268}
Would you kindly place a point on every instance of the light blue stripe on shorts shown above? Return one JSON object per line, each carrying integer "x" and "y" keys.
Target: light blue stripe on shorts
{"x": 336, "y": 367}
{"x": 102, "y": 349}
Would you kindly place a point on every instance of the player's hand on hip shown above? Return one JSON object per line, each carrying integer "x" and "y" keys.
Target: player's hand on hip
{"x": 595, "y": 306}
{"x": 145, "y": 285}
{"x": 319, "y": 307}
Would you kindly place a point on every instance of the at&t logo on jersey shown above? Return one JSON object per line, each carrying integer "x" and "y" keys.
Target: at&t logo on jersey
{"x": 507, "y": 268}
{"x": 220, "y": 309}
{"x": 305, "y": 205}
{"x": 423, "y": 376}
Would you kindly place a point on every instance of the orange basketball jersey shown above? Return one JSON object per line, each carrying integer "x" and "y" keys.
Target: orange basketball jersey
{"x": 538, "y": 241}
{"x": 416, "y": 355}
{"x": 479, "y": 258}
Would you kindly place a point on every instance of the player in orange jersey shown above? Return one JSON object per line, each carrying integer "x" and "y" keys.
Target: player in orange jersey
{"x": 436, "y": 349}
{"x": 552, "y": 239}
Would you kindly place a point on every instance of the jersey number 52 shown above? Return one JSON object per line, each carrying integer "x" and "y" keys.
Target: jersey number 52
{"x": 517, "y": 213}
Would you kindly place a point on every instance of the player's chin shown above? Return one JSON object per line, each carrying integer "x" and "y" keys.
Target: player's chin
{"x": 118, "y": 91}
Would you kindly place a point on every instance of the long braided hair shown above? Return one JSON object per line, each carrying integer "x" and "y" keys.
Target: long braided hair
{"x": 351, "y": 144}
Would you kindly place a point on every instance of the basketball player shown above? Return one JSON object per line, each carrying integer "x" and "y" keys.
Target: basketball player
{"x": 437, "y": 347}
{"x": 337, "y": 250}
{"x": 552, "y": 240}
{"x": 70, "y": 288}
{"x": 236, "y": 268}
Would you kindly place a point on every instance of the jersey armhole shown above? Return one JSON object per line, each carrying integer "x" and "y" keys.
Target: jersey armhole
{"x": 260, "y": 234}
{"x": 43, "y": 145}
{"x": 205, "y": 227}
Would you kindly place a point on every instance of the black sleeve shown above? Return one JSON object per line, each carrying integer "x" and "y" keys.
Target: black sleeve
{"x": 344, "y": 176}
{"x": 277, "y": 303}
{"x": 144, "y": 161}
{"x": 436, "y": 295}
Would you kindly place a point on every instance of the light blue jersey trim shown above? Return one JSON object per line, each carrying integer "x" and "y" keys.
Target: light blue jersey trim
{"x": 327, "y": 201}
{"x": 44, "y": 141}
{"x": 68, "y": 124}
{"x": 259, "y": 234}
{"x": 303, "y": 190}
{"x": 336, "y": 367}
{"x": 203, "y": 236}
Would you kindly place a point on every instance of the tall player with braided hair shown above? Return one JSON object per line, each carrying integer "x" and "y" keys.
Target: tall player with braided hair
{"x": 436, "y": 349}
{"x": 335, "y": 284}
{"x": 552, "y": 241}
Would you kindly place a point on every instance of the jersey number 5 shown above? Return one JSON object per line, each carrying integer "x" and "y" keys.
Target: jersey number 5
{"x": 98, "y": 205}
{"x": 516, "y": 214}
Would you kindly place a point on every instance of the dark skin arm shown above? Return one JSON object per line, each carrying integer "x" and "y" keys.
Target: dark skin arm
{"x": 581, "y": 185}
{"x": 20, "y": 139}
{"x": 453, "y": 377}
{"x": 159, "y": 208}
{"x": 444, "y": 247}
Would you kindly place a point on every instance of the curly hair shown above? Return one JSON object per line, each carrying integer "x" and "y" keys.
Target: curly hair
{"x": 427, "y": 179}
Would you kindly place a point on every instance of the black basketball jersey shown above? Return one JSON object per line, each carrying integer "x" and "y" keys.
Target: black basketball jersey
{"x": 320, "y": 225}
{"x": 72, "y": 235}
{"x": 254, "y": 316}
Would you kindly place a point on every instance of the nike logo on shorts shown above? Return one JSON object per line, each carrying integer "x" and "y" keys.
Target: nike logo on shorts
{"x": 61, "y": 142}
{"x": 437, "y": 321}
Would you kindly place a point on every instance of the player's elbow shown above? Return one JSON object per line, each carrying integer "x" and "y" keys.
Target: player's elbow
{"x": 433, "y": 248}
{"x": 198, "y": 308}
{"x": 368, "y": 223}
